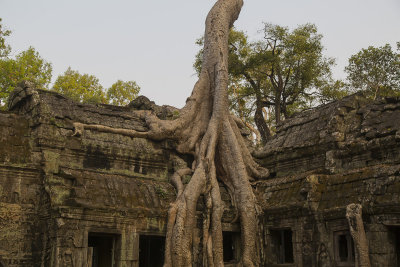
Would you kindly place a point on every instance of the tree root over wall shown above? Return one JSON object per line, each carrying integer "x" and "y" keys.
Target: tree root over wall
{"x": 206, "y": 130}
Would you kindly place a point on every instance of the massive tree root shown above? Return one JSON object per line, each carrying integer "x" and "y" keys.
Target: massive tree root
{"x": 206, "y": 130}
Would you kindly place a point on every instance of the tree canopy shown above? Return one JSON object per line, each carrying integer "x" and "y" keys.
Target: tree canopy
{"x": 80, "y": 87}
{"x": 278, "y": 75}
{"x": 121, "y": 93}
{"x": 86, "y": 88}
{"x": 27, "y": 65}
{"x": 5, "y": 49}
{"x": 375, "y": 70}
{"x": 30, "y": 66}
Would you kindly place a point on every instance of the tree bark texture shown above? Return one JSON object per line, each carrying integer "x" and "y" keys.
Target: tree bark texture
{"x": 261, "y": 124}
{"x": 206, "y": 130}
{"x": 354, "y": 218}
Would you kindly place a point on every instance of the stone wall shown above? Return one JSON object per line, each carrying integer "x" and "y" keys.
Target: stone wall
{"x": 20, "y": 188}
{"x": 77, "y": 185}
{"x": 325, "y": 159}
{"x": 60, "y": 191}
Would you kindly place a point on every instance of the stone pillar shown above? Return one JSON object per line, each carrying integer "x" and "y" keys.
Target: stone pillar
{"x": 354, "y": 218}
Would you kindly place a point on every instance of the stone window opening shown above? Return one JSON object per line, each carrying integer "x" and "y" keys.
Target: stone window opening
{"x": 231, "y": 247}
{"x": 282, "y": 245}
{"x": 344, "y": 248}
{"x": 151, "y": 250}
{"x": 102, "y": 250}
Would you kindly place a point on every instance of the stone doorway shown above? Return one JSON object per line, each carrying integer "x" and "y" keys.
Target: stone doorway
{"x": 282, "y": 246}
{"x": 231, "y": 248}
{"x": 101, "y": 250}
{"x": 151, "y": 251}
{"x": 344, "y": 248}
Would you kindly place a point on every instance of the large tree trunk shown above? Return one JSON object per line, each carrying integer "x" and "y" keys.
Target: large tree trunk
{"x": 206, "y": 130}
{"x": 220, "y": 151}
{"x": 261, "y": 124}
{"x": 278, "y": 107}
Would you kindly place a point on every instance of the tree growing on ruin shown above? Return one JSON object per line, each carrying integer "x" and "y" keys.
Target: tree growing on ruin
{"x": 206, "y": 130}
{"x": 80, "y": 87}
{"x": 122, "y": 93}
{"x": 376, "y": 71}
{"x": 30, "y": 66}
{"x": 86, "y": 88}
{"x": 5, "y": 49}
{"x": 283, "y": 73}
{"x": 27, "y": 65}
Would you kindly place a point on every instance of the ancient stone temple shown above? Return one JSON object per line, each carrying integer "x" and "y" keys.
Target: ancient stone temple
{"x": 100, "y": 198}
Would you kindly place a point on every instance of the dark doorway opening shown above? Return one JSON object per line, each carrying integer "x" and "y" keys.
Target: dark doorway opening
{"x": 282, "y": 245}
{"x": 394, "y": 236}
{"x": 151, "y": 251}
{"x": 397, "y": 236}
{"x": 101, "y": 249}
{"x": 231, "y": 245}
{"x": 344, "y": 248}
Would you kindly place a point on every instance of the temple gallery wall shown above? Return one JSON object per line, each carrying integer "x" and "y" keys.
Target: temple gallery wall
{"x": 100, "y": 198}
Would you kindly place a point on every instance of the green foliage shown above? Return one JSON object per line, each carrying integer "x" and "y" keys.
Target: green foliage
{"x": 86, "y": 88}
{"x": 121, "y": 93}
{"x": 199, "y": 56}
{"x": 4, "y": 48}
{"x": 82, "y": 88}
{"x": 297, "y": 71}
{"x": 32, "y": 67}
{"x": 375, "y": 70}
{"x": 331, "y": 90}
{"x": 280, "y": 74}
{"x": 29, "y": 66}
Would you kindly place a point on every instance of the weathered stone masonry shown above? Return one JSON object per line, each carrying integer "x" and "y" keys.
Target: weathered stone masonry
{"x": 65, "y": 197}
{"x": 325, "y": 159}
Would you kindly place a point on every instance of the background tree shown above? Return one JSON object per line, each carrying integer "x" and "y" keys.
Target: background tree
{"x": 82, "y": 88}
{"x": 4, "y": 48}
{"x": 375, "y": 70}
{"x": 281, "y": 74}
{"x": 86, "y": 88}
{"x": 29, "y": 66}
{"x": 121, "y": 93}
{"x": 330, "y": 90}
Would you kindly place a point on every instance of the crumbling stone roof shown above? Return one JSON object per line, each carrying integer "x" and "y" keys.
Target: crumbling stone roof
{"x": 333, "y": 138}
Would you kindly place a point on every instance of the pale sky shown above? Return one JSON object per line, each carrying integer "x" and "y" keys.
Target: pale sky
{"x": 152, "y": 42}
